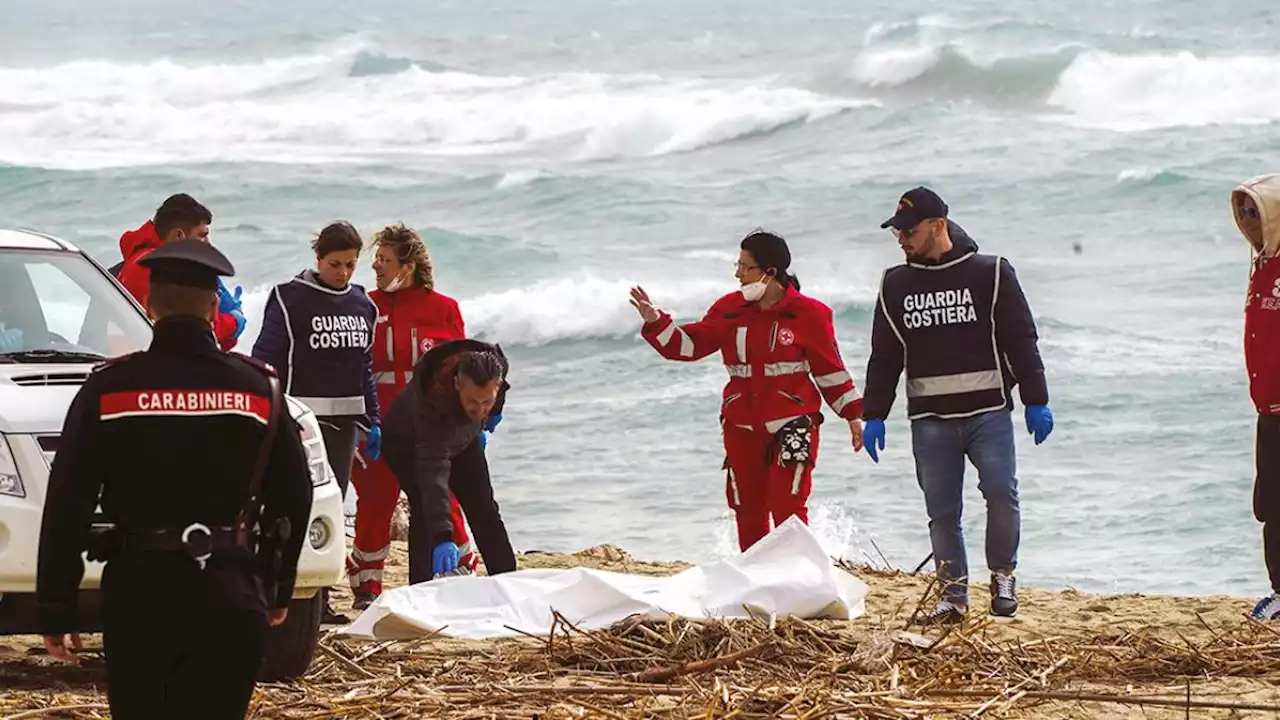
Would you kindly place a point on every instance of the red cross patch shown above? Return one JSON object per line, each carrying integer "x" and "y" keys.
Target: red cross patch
{"x": 786, "y": 337}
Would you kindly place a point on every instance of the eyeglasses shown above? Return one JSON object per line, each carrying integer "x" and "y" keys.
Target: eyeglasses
{"x": 1249, "y": 212}
{"x": 739, "y": 267}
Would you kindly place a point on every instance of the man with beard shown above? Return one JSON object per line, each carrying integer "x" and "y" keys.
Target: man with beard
{"x": 432, "y": 444}
{"x": 956, "y": 321}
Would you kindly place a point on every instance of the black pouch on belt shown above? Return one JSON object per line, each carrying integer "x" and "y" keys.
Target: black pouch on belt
{"x": 794, "y": 441}
{"x": 104, "y": 544}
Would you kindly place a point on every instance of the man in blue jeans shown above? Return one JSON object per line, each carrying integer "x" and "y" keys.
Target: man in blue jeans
{"x": 956, "y": 321}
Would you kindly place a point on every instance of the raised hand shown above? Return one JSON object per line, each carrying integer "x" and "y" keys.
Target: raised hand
{"x": 643, "y": 305}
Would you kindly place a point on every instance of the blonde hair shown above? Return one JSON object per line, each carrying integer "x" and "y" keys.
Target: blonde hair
{"x": 407, "y": 245}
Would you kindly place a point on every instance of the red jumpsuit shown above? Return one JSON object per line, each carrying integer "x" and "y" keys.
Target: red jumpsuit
{"x": 410, "y": 322}
{"x": 137, "y": 244}
{"x": 770, "y": 355}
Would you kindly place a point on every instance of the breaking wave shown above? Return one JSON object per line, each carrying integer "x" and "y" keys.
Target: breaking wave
{"x": 583, "y": 308}
{"x": 360, "y": 105}
{"x": 932, "y": 59}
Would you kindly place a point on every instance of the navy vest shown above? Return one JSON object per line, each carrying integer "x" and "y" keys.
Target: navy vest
{"x": 944, "y": 315}
{"x": 329, "y": 333}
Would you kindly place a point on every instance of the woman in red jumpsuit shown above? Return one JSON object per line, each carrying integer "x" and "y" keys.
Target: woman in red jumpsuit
{"x": 412, "y": 318}
{"x": 772, "y": 340}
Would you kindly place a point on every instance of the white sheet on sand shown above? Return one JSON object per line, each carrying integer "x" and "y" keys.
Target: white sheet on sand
{"x": 786, "y": 573}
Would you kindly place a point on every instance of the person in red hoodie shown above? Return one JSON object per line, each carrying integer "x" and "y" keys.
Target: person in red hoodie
{"x": 779, "y": 349}
{"x": 1255, "y": 204}
{"x": 178, "y": 217}
{"x": 413, "y": 317}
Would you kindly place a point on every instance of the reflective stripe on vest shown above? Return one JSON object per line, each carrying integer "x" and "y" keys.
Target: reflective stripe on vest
{"x": 389, "y": 377}
{"x": 770, "y": 369}
{"x": 955, "y": 384}
{"x": 333, "y": 406}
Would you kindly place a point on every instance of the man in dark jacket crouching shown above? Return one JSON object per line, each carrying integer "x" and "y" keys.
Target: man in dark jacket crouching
{"x": 431, "y": 441}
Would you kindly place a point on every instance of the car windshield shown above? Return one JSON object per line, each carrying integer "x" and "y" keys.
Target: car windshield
{"x": 56, "y": 306}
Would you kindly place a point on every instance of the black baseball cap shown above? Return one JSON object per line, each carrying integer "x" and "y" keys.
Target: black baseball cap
{"x": 914, "y": 207}
{"x": 192, "y": 263}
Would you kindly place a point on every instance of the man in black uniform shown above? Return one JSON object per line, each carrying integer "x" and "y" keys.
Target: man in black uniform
{"x": 190, "y": 448}
{"x": 957, "y": 322}
{"x": 431, "y": 440}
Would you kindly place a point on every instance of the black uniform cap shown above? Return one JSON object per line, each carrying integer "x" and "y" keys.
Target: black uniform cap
{"x": 193, "y": 263}
{"x": 914, "y": 207}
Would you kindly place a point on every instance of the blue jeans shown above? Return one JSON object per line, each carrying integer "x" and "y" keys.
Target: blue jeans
{"x": 940, "y": 447}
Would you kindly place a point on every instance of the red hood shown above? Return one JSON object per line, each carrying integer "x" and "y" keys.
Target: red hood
{"x": 133, "y": 242}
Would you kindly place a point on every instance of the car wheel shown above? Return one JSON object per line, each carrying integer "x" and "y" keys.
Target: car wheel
{"x": 292, "y": 645}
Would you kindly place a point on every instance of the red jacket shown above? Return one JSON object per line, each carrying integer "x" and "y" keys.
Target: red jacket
{"x": 770, "y": 355}
{"x": 135, "y": 245}
{"x": 1262, "y": 306}
{"x": 410, "y": 322}
{"x": 1262, "y": 335}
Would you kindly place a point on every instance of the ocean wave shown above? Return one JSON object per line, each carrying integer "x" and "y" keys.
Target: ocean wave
{"x": 1152, "y": 91}
{"x": 1151, "y": 177}
{"x": 931, "y": 26}
{"x": 353, "y": 105}
{"x": 520, "y": 178}
{"x": 585, "y": 307}
{"x": 936, "y": 58}
{"x": 947, "y": 70}
{"x": 368, "y": 63}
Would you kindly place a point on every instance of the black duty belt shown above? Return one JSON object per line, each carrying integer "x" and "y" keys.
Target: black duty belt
{"x": 197, "y": 540}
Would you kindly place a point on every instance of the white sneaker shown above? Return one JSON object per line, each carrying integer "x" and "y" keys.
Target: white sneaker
{"x": 1268, "y": 608}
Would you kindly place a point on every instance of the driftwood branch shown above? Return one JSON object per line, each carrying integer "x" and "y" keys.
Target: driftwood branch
{"x": 700, "y": 666}
{"x": 1119, "y": 699}
{"x": 59, "y": 710}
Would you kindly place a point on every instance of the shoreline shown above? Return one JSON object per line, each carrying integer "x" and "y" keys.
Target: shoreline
{"x": 1146, "y": 654}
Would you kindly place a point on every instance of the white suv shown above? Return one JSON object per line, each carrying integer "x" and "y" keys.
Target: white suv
{"x": 72, "y": 314}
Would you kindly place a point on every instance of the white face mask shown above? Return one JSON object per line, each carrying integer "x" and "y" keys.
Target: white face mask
{"x": 754, "y": 291}
{"x": 396, "y": 283}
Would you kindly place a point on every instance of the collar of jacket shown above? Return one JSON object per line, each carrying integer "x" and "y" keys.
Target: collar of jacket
{"x": 963, "y": 247}
{"x": 183, "y": 333}
{"x": 788, "y": 296}
{"x": 445, "y": 405}
{"x": 310, "y": 278}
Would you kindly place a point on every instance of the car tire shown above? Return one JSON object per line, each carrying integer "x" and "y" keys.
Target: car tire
{"x": 292, "y": 645}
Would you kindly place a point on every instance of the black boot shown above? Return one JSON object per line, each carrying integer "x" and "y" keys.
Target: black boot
{"x": 329, "y": 616}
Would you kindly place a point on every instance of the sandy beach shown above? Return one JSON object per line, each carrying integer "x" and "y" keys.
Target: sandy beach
{"x": 1146, "y": 654}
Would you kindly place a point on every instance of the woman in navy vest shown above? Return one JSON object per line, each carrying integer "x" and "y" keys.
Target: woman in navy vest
{"x": 317, "y": 331}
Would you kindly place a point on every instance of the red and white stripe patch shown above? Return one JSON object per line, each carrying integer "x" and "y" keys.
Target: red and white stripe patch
{"x": 184, "y": 403}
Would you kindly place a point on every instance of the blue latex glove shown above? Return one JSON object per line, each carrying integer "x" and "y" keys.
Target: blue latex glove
{"x": 484, "y": 439}
{"x": 444, "y": 558}
{"x": 1039, "y": 421}
{"x": 10, "y": 340}
{"x": 492, "y": 423}
{"x": 226, "y": 301}
{"x": 873, "y": 436}
{"x": 240, "y": 322}
{"x": 373, "y": 443}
